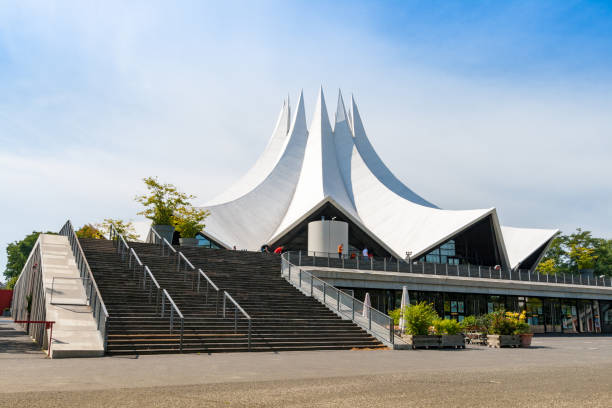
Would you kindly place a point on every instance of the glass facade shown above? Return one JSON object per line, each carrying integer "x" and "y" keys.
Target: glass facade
{"x": 444, "y": 254}
{"x": 545, "y": 315}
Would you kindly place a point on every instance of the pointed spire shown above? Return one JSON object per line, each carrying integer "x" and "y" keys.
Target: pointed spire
{"x": 299, "y": 118}
{"x": 340, "y": 109}
{"x": 288, "y": 113}
{"x": 321, "y": 116}
{"x": 356, "y": 123}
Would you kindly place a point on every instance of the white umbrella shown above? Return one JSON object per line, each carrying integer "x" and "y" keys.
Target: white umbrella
{"x": 366, "y": 305}
{"x": 405, "y": 302}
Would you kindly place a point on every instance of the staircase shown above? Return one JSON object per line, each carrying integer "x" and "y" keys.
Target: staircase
{"x": 282, "y": 317}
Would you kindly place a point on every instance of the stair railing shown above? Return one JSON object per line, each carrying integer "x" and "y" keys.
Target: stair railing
{"x": 209, "y": 283}
{"x": 173, "y": 309}
{"x": 96, "y": 303}
{"x": 134, "y": 263}
{"x": 237, "y": 308}
{"x": 365, "y": 316}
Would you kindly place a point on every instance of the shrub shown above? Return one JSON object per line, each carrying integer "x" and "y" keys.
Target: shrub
{"x": 89, "y": 231}
{"x": 162, "y": 201}
{"x": 395, "y": 315}
{"x": 506, "y": 323}
{"x": 188, "y": 221}
{"x": 419, "y": 317}
{"x": 447, "y": 326}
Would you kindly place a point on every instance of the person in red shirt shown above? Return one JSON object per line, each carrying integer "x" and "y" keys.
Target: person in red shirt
{"x": 278, "y": 250}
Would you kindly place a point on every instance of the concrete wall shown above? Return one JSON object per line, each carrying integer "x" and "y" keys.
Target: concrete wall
{"x": 325, "y": 236}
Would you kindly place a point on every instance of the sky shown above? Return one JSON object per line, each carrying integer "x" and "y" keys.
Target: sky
{"x": 471, "y": 104}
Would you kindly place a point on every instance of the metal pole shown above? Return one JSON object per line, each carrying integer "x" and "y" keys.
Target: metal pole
{"x": 311, "y": 285}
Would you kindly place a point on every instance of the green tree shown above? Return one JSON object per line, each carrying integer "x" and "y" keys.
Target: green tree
{"x": 578, "y": 250}
{"x": 124, "y": 228}
{"x": 17, "y": 254}
{"x": 188, "y": 221}
{"x": 162, "y": 201}
{"x": 89, "y": 231}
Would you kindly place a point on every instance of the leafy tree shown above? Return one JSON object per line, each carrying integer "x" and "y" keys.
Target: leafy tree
{"x": 17, "y": 254}
{"x": 124, "y": 228}
{"x": 90, "y": 231}
{"x": 188, "y": 221}
{"x": 578, "y": 250}
{"x": 162, "y": 201}
{"x": 547, "y": 267}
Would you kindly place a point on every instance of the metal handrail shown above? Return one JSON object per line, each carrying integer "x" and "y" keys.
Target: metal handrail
{"x": 173, "y": 308}
{"x": 237, "y": 307}
{"x": 209, "y": 282}
{"x": 164, "y": 243}
{"x": 374, "y": 321}
{"x": 99, "y": 310}
{"x": 334, "y": 260}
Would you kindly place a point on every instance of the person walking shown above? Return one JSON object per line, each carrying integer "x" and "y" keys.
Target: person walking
{"x": 340, "y": 250}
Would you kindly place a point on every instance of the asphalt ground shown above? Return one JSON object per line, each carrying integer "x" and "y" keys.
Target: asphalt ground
{"x": 557, "y": 372}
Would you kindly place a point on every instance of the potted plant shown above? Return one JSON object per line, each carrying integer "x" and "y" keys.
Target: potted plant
{"x": 188, "y": 221}
{"x": 502, "y": 330}
{"x": 160, "y": 204}
{"x": 419, "y": 319}
{"x": 523, "y": 330}
{"x": 451, "y": 332}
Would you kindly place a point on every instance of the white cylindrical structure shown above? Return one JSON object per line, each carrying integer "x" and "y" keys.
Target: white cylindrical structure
{"x": 325, "y": 236}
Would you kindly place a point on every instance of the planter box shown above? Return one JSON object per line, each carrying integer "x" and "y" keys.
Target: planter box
{"x": 453, "y": 340}
{"x": 423, "y": 341}
{"x": 497, "y": 340}
{"x": 526, "y": 339}
{"x": 188, "y": 242}
{"x": 165, "y": 231}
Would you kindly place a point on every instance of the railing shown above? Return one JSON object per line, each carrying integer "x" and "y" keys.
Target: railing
{"x": 146, "y": 279}
{"x": 144, "y": 276}
{"x": 184, "y": 264}
{"x": 237, "y": 309}
{"x": 163, "y": 242}
{"x": 374, "y": 321}
{"x": 96, "y": 303}
{"x": 173, "y": 308}
{"x": 347, "y": 261}
{"x": 28, "y": 303}
{"x": 209, "y": 284}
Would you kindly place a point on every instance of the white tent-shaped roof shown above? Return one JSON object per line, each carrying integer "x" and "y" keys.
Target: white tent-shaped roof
{"x": 304, "y": 168}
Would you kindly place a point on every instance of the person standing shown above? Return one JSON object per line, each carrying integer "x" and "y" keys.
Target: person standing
{"x": 340, "y": 250}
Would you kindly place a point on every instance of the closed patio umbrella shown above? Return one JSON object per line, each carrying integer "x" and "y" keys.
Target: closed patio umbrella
{"x": 366, "y": 305}
{"x": 405, "y": 302}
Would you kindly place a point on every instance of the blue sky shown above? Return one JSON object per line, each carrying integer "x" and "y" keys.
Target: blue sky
{"x": 472, "y": 104}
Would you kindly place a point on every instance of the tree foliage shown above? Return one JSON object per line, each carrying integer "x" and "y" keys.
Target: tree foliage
{"x": 17, "y": 254}
{"x": 161, "y": 201}
{"x": 90, "y": 231}
{"x": 577, "y": 251}
{"x": 125, "y": 228}
{"x": 188, "y": 221}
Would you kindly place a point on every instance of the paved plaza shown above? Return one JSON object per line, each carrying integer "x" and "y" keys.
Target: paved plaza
{"x": 557, "y": 371}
